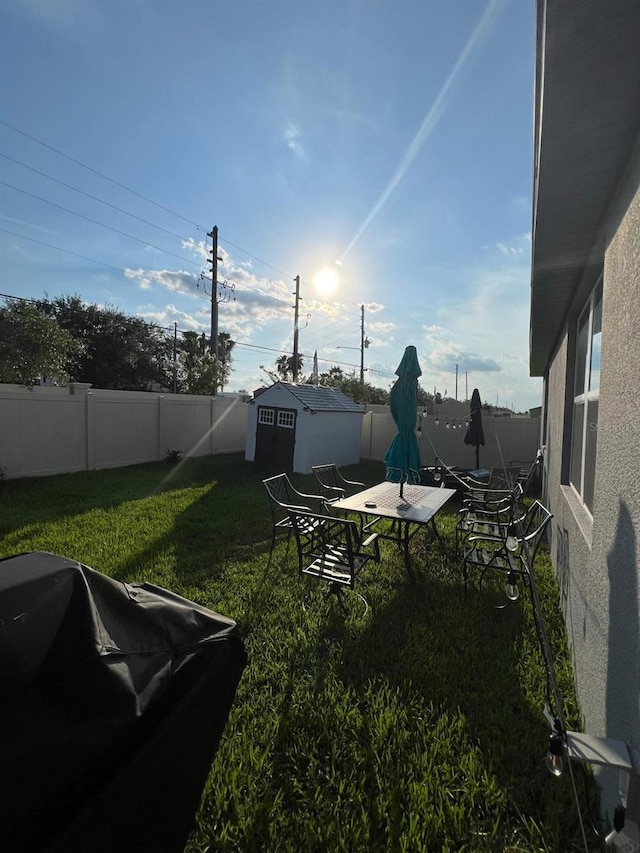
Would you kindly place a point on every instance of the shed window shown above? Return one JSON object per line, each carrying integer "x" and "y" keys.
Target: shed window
{"x": 586, "y": 397}
{"x": 266, "y": 416}
{"x": 286, "y": 419}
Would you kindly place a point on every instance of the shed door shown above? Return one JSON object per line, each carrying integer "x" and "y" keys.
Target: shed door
{"x": 275, "y": 437}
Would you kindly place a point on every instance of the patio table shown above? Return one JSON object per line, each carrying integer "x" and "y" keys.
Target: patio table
{"x": 416, "y": 508}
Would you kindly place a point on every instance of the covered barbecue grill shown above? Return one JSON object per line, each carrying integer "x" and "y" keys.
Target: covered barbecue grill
{"x": 114, "y": 697}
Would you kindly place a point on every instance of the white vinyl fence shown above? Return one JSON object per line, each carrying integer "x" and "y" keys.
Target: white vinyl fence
{"x": 53, "y": 430}
{"x": 506, "y": 440}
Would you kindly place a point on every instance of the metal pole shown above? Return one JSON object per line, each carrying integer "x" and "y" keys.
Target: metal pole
{"x": 362, "y": 344}
{"x": 295, "y": 329}
{"x": 175, "y": 367}
{"x": 214, "y": 292}
{"x": 456, "y": 383}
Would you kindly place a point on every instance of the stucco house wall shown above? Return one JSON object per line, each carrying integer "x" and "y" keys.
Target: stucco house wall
{"x": 597, "y": 557}
{"x": 587, "y": 222}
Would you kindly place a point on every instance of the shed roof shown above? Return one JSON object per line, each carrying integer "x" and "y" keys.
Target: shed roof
{"x": 587, "y": 119}
{"x": 320, "y": 398}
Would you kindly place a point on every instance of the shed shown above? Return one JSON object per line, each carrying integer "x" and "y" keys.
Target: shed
{"x": 293, "y": 427}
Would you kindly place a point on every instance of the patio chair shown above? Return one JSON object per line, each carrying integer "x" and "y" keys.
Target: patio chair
{"x": 445, "y": 475}
{"x": 529, "y": 472}
{"x": 491, "y": 519}
{"x": 397, "y": 475}
{"x": 283, "y": 497}
{"x": 510, "y": 557}
{"x": 491, "y": 500}
{"x": 331, "y": 549}
{"x": 504, "y": 478}
{"x": 333, "y": 484}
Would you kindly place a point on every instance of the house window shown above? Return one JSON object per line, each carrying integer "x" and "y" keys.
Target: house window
{"x": 586, "y": 397}
{"x": 266, "y": 416}
{"x": 286, "y": 419}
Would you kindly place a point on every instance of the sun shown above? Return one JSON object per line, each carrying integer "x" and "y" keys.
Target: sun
{"x": 326, "y": 281}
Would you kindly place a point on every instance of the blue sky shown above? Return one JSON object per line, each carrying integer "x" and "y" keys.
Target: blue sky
{"x": 393, "y": 136}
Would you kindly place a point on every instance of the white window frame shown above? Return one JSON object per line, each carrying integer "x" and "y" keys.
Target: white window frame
{"x": 286, "y": 419}
{"x": 586, "y": 396}
{"x": 266, "y": 416}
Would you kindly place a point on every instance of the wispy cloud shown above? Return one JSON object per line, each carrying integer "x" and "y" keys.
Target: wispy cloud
{"x": 517, "y": 247}
{"x": 176, "y": 281}
{"x": 513, "y": 251}
{"x": 483, "y": 327}
{"x": 167, "y": 316}
{"x": 292, "y": 139}
{"x": 446, "y": 354}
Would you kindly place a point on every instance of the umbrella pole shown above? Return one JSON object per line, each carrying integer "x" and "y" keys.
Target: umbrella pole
{"x": 402, "y": 485}
{"x": 477, "y": 457}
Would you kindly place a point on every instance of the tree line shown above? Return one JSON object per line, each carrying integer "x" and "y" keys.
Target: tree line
{"x": 67, "y": 340}
{"x": 64, "y": 340}
{"x": 348, "y": 383}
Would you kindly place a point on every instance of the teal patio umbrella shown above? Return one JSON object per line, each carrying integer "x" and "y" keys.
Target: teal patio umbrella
{"x": 403, "y": 454}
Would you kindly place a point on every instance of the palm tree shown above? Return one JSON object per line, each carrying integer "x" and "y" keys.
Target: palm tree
{"x": 284, "y": 366}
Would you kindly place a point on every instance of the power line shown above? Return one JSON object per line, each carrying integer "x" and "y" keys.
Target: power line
{"x": 174, "y": 329}
{"x": 167, "y": 328}
{"x": 133, "y": 192}
{"x": 58, "y": 249}
{"x": 19, "y": 298}
{"x": 101, "y": 224}
{"x": 94, "y": 197}
{"x": 255, "y": 258}
{"x": 100, "y": 174}
{"x": 108, "y": 266}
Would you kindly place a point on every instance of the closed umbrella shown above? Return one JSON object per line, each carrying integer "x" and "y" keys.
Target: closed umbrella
{"x": 475, "y": 434}
{"x": 403, "y": 454}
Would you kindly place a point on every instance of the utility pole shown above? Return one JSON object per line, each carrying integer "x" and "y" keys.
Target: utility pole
{"x": 214, "y": 291}
{"x": 456, "y": 383}
{"x": 175, "y": 366}
{"x": 295, "y": 329}
{"x": 364, "y": 343}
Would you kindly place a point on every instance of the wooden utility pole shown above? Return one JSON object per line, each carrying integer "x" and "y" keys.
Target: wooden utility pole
{"x": 175, "y": 356}
{"x": 214, "y": 291}
{"x": 364, "y": 343}
{"x": 295, "y": 329}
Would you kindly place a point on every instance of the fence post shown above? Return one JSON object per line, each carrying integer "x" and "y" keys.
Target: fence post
{"x": 161, "y": 429}
{"x": 212, "y": 420}
{"x": 90, "y": 435}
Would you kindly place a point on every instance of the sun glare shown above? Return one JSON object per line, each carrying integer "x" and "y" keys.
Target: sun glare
{"x": 326, "y": 281}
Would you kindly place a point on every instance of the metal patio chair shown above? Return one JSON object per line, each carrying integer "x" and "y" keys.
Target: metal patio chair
{"x": 529, "y": 472}
{"x": 332, "y": 549}
{"x": 510, "y": 556}
{"x": 444, "y": 474}
{"x": 504, "y": 478}
{"x": 491, "y": 519}
{"x": 333, "y": 484}
{"x": 284, "y": 497}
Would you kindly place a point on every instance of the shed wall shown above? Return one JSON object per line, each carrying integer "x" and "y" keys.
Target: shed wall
{"x": 327, "y": 437}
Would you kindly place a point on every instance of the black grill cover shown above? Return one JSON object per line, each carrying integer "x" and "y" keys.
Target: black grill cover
{"x": 113, "y": 699}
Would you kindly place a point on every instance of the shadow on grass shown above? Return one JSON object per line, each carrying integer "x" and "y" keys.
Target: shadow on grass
{"x": 451, "y": 657}
{"x": 229, "y": 523}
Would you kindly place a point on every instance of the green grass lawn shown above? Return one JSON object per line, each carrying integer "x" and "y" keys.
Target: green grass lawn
{"x": 418, "y": 727}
